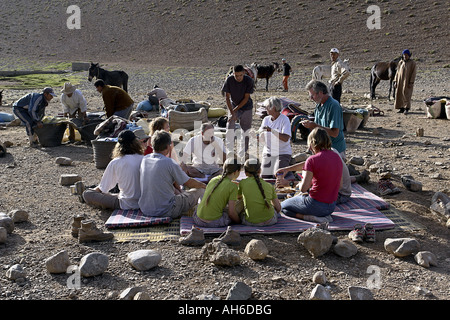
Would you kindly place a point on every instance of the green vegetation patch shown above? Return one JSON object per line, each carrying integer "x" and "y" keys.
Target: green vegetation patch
{"x": 33, "y": 81}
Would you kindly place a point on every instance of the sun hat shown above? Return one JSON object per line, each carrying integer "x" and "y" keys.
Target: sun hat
{"x": 68, "y": 88}
{"x": 49, "y": 90}
{"x": 334, "y": 50}
{"x": 140, "y": 134}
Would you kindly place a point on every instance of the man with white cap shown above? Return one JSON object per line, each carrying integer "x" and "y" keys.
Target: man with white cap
{"x": 30, "y": 109}
{"x": 74, "y": 106}
{"x": 339, "y": 72}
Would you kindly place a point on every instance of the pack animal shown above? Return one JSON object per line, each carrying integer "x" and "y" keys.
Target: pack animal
{"x": 266, "y": 72}
{"x": 323, "y": 71}
{"x": 383, "y": 71}
{"x": 112, "y": 78}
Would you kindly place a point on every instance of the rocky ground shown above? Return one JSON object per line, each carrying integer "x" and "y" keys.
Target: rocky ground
{"x": 30, "y": 181}
{"x": 187, "y": 47}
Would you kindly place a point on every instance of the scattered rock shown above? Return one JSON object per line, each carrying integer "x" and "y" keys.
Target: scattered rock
{"x": 19, "y": 216}
{"x": 239, "y": 291}
{"x": 360, "y": 293}
{"x": 130, "y": 293}
{"x": 345, "y": 248}
{"x": 440, "y": 203}
{"x": 218, "y": 253}
{"x": 401, "y": 247}
{"x": 426, "y": 259}
{"x": 15, "y": 273}
{"x": 317, "y": 241}
{"x": 6, "y": 222}
{"x": 319, "y": 277}
{"x": 93, "y": 264}
{"x": 142, "y": 296}
{"x": 411, "y": 184}
{"x": 64, "y": 161}
{"x": 58, "y": 263}
{"x": 423, "y": 291}
{"x": 357, "y": 161}
{"x": 69, "y": 179}
{"x": 144, "y": 259}
{"x": 3, "y": 235}
{"x": 256, "y": 250}
{"x": 320, "y": 293}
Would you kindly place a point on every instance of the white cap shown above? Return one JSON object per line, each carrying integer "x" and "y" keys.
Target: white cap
{"x": 334, "y": 50}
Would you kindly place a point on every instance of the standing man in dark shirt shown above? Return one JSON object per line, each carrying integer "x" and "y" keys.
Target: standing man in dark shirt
{"x": 286, "y": 74}
{"x": 237, "y": 88}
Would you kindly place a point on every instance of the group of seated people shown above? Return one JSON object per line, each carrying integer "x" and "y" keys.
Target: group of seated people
{"x": 151, "y": 178}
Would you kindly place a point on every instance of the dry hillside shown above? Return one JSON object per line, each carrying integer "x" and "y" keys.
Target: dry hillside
{"x": 223, "y": 32}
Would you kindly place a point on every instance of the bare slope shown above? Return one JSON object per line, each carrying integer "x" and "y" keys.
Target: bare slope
{"x": 221, "y": 32}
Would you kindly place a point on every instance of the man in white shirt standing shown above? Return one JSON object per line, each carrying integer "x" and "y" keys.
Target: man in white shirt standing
{"x": 275, "y": 134}
{"x": 339, "y": 72}
{"x": 74, "y": 106}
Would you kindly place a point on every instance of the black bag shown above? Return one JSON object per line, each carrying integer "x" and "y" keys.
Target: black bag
{"x": 222, "y": 122}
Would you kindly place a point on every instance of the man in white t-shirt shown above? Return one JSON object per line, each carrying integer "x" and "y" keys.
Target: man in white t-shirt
{"x": 275, "y": 134}
{"x": 206, "y": 153}
{"x": 74, "y": 106}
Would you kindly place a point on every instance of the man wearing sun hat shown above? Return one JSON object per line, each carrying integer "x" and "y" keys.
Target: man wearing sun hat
{"x": 30, "y": 109}
{"x": 74, "y": 106}
{"x": 404, "y": 82}
{"x": 339, "y": 72}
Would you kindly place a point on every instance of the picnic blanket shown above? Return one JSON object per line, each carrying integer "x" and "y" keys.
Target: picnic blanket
{"x": 363, "y": 207}
{"x": 133, "y": 219}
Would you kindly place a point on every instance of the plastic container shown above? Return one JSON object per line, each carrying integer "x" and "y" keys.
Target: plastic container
{"x": 354, "y": 122}
{"x": 102, "y": 152}
{"x": 51, "y": 134}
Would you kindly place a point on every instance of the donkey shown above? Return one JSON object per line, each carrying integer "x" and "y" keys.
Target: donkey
{"x": 113, "y": 78}
{"x": 383, "y": 71}
{"x": 266, "y": 72}
{"x": 324, "y": 71}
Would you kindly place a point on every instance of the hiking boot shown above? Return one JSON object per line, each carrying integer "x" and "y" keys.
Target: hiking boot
{"x": 383, "y": 188}
{"x": 89, "y": 232}
{"x": 369, "y": 232}
{"x": 194, "y": 238}
{"x": 76, "y": 225}
{"x": 79, "y": 189}
{"x": 393, "y": 188}
{"x": 230, "y": 237}
{"x": 357, "y": 234}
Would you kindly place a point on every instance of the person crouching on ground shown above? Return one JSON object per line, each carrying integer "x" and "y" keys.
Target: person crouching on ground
{"x": 158, "y": 175}
{"x": 217, "y": 208}
{"x": 123, "y": 170}
{"x": 322, "y": 176}
{"x": 30, "y": 109}
{"x": 261, "y": 204}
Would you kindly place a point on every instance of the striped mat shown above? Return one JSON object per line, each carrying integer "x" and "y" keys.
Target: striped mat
{"x": 341, "y": 221}
{"x": 133, "y": 219}
{"x": 162, "y": 232}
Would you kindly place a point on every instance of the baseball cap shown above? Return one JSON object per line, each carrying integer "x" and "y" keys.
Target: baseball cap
{"x": 126, "y": 136}
{"x": 49, "y": 90}
{"x": 334, "y": 50}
